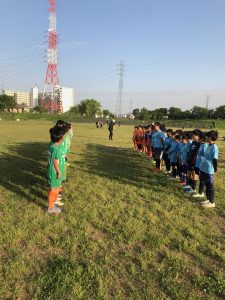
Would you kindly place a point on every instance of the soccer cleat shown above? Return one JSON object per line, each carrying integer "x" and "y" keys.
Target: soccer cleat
{"x": 209, "y": 205}
{"x": 198, "y": 195}
{"x": 54, "y": 211}
{"x": 59, "y": 202}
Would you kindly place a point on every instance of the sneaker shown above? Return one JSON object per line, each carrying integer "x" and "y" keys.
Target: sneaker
{"x": 209, "y": 205}
{"x": 59, "y": 197}
{"x": 59, "y": 202}
{"x": 182, "y": 183}
{"x": 204, "y": 202}
{"x": 198, "y": 195}
{"x": 54, "y": 211}
{"x": 186, "y": 187}
{"x": 190, "y": 191}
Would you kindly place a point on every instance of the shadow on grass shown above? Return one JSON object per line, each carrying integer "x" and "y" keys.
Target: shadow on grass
{"x": 122, "y": 165}
{"x": 23, "y": 171}
{"x": 62, "y": 278}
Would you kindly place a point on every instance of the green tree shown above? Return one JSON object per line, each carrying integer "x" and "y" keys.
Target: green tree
{"x": 220, "y": 112}
{"x": 89, "y": 107}
{"x": 7, "y": 102}
{"x": 106, "y": 112}
{"x": 199, "y": 112}
{"x": 136, "y": 112}
{"x": 174, "y": 113}
{"x": 74, "y": 110}
{"x": 144, "y": 114}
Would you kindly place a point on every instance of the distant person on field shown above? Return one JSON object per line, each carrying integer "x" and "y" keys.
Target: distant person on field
{"x": 111, "y": 127}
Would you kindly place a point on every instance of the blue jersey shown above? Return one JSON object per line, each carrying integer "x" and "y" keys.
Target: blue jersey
{"x": 173, "y": 152}
{"x": 211, "y": 153}
{"x": 167, "y": 144}
{"x": 200, "y": 155}
{"x": 157, "y": 140}
{"x": 184, "y": 152}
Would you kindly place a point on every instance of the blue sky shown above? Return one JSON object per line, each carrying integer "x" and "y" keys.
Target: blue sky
{"x": 173, "y": 50}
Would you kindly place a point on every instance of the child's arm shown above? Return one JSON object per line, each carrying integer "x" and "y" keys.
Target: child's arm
{"x": 56, "y": 165}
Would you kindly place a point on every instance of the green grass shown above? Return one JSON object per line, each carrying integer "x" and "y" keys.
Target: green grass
{"x": 125, "y": 233}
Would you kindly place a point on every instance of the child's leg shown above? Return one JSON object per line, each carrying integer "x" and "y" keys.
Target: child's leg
{"x": 184, "y": 174}
{"x": 202, "y": 183}
{"x": 174, "y": 170}
{"x": 210, "y": 188}
{"x": 168, "y": 165}
{"x": 189, "y": 180}
{"x": 194, "y": 180}
{"x": 52, "y": 196}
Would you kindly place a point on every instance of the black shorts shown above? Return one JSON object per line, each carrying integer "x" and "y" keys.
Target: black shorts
{"x": 173, "y": 164}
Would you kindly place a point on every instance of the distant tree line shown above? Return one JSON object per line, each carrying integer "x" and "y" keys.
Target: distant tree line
{"x": 175, "y": 113}
{"x": 89, "y": 108}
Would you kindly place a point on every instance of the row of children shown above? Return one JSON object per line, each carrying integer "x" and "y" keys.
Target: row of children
{"x": 59, "y": 148}
{"x": 189, "y": 156}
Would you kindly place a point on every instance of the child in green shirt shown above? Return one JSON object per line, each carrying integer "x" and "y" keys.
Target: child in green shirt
{"x": 54, "y": 169}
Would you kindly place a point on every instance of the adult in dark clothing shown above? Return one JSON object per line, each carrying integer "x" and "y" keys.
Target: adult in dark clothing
{"x": 111, "y": 126}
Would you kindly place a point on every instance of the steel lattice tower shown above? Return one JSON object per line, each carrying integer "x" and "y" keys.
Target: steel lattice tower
{"x": 118, "y": 112}
{"x": 51, "y": 99}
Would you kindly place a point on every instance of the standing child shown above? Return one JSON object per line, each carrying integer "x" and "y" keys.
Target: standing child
{"x": 208, "y": 168}
{"x": 158, "y": 139}
{"x": 200, "y": 156}
{"x": 191, "y": 160}
{"x": 183, "y": 159}
{"x": 54, "y": 173}
{"x": 167, "y": 145}
{"x": 173, "y": 152}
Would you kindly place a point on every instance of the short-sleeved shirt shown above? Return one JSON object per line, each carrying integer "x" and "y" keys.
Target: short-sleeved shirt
{"x": 200, "y": 155}
{"x": 211, "y": 153}
{"x": 173, "y": 152}
{"x": 67, "y": 142}
{"x": 55, "y": 152}
{"x": 184, "y": 152}
{"x": 193, "y": 151}
{"x": 157, "y": 139}
{"x": 167, "y": 144}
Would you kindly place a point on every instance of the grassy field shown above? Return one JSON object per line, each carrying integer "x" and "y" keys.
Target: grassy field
{"x": 124, "y": 233}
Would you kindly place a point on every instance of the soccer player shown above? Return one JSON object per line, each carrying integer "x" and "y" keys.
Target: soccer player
{"x": 200, "y": 155}
{"x": 54, "y": 173}
{"x": 158, "y": 139}
{"x": 191, "y": 160}
{"x": 173, "y": 155}
{"x": 167, "y": 145}
{"x": 208, "y": 168}
{"x": 183, "y": 158}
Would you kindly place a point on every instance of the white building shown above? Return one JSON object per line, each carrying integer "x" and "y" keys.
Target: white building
{"x": 68, "y": 98}
{"x": 34, "y": 97}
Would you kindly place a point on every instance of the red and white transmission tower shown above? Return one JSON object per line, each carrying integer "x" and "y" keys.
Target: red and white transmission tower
{"x": 52, "y": 96}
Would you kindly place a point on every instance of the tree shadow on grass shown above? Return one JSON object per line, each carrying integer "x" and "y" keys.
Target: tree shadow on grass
{"x": 23, "y": 171}
{"x": 122, "y": 165}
